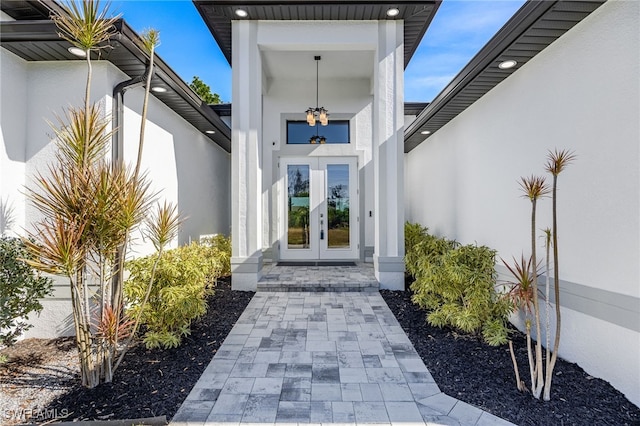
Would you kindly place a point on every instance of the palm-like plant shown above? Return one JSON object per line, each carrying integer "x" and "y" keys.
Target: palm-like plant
{"x": 89, "y": 207}
{"x": 524, "y": 292}
{"x": 534, "y": 188}
{"x": 557, "y": 161}
{"x": 88, "y": 27}
{"x": 150, "y": 41}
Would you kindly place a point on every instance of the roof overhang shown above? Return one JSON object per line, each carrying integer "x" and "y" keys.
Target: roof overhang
{"x": 534, "y": 27}
{"x": 26, "y": 9}
{"x": 38, "y": 40}
{"x": 417, "y": 16}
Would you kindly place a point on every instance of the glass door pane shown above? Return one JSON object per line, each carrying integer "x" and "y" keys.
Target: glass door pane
{"x": 338, "y": 229}
{"x": 298, "y": 224}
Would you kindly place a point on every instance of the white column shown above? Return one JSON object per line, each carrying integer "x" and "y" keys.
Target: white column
{"x": 388, "y": 157}
{"x": 246, "y": 175}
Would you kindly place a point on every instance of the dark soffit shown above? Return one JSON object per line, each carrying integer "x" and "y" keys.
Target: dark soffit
{"x": 417, "y": 16}
{"x": 39, "y": 41}
{"x": 414, "y": 108}
{"x": 25, "y": 9}
{"x": 532, "y": 28}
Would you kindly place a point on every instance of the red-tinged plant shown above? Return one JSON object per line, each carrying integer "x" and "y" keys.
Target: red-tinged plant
{"x": 526, "y": 292}
{"x": 534, "y": 188}
{"x": 89, "y": 207}
{"x": 556, "y": 163}
{"x": 113, "y": 325}
{"x": 521, "y": 296}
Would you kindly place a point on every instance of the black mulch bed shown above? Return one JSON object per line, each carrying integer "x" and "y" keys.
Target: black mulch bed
{"x": 466, "y": 368}
{"x": 152, "y": 383}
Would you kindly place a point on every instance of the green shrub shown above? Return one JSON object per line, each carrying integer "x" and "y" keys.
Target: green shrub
{"x": 413, "y": 234}
{"x": 20, "y": 290}
{"x": 456, "y": 285}
{"x": 421, "y": 248}
{"x": 184, "y": 278}
{"x": 218, "y": 250}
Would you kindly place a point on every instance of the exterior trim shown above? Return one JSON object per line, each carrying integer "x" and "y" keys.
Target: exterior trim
{"x": 389, "y": 264}
{"x": 616, "y": 308}
{"x": 416, "y": 14}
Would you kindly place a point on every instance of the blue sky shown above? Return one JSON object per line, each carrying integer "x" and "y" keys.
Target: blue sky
{"x": 457, "y": 33}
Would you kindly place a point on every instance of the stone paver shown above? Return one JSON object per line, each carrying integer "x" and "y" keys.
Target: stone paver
{"x": 319, "y": 278}
{"x": 321, "y": 358}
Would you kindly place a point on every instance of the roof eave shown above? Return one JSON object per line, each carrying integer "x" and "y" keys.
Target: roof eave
{"x": 496, "y": 49}
{"x": 45, "y": 31}
{"x": 223, "y": 41}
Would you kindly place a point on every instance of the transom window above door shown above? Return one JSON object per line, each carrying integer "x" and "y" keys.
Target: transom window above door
{"x": 300, "y": 133}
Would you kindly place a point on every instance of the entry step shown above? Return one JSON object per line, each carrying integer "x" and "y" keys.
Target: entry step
{"x": 326, "y": 278}
{"x": 265, "y": 285}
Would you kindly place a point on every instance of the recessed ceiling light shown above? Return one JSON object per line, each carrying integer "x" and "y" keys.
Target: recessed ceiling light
{"x": 241, "y": 13}
{"x": 393, "y": 12}
{"x": 210, "y": 132}
{"x": 505, "y": 65}
{"x": 425, "y": 132}
{"x": 77, "y": 52}
{"x": 158, "y": 89}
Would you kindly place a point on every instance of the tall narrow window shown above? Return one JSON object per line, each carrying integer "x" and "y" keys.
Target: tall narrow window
{"x": 298, "y": 206}
{"x": 338, "y": 205}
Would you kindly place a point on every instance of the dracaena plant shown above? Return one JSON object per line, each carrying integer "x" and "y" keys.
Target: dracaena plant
{"x": 557, "y": 161}
{"x": 524, "y": 293}
{"x": 87, "y": 26}
{"x": 520, "y": 295}
{"x": 88, "y": 208}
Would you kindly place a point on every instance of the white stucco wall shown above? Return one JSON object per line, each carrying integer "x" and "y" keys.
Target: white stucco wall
{"x": 581, "y": 93}
{"x": 185, "y": 167}
{"x": 52, "y": 87}
{"x": 13, "y": 125}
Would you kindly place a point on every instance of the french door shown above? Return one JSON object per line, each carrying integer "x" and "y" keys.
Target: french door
{"x": 319, "y": 208}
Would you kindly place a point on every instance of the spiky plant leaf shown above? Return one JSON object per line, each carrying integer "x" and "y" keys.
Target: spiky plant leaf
{"x": 557, "y": 160}
{"x": 113, "y": 325}
{"x": 150, "y": 40}
{"x": 58, "y": 249}
{"x": 522, "y": 289}
{"x": 85, "y": 24}
{"x": 134, "y": 199}
{"x": 164, "y": 225}
{"x": 78, "y": 143}
{"x": 534, "y": 187}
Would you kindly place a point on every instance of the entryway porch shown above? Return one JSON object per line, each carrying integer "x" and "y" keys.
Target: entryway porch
{"x": 319, "y": 277}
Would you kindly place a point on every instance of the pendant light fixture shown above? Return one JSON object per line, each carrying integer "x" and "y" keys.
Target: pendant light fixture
{"x": 318, "y": 113}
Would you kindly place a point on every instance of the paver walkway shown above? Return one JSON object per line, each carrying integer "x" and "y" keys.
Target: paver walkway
{"x": 323, "y": 358}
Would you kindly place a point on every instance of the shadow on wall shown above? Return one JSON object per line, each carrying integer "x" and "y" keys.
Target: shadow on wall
{"x": 185, "y": 165}
{"x": 7, "y": 216}
{"x": 55, "y": 320}
{"x": 204, "y": 187}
